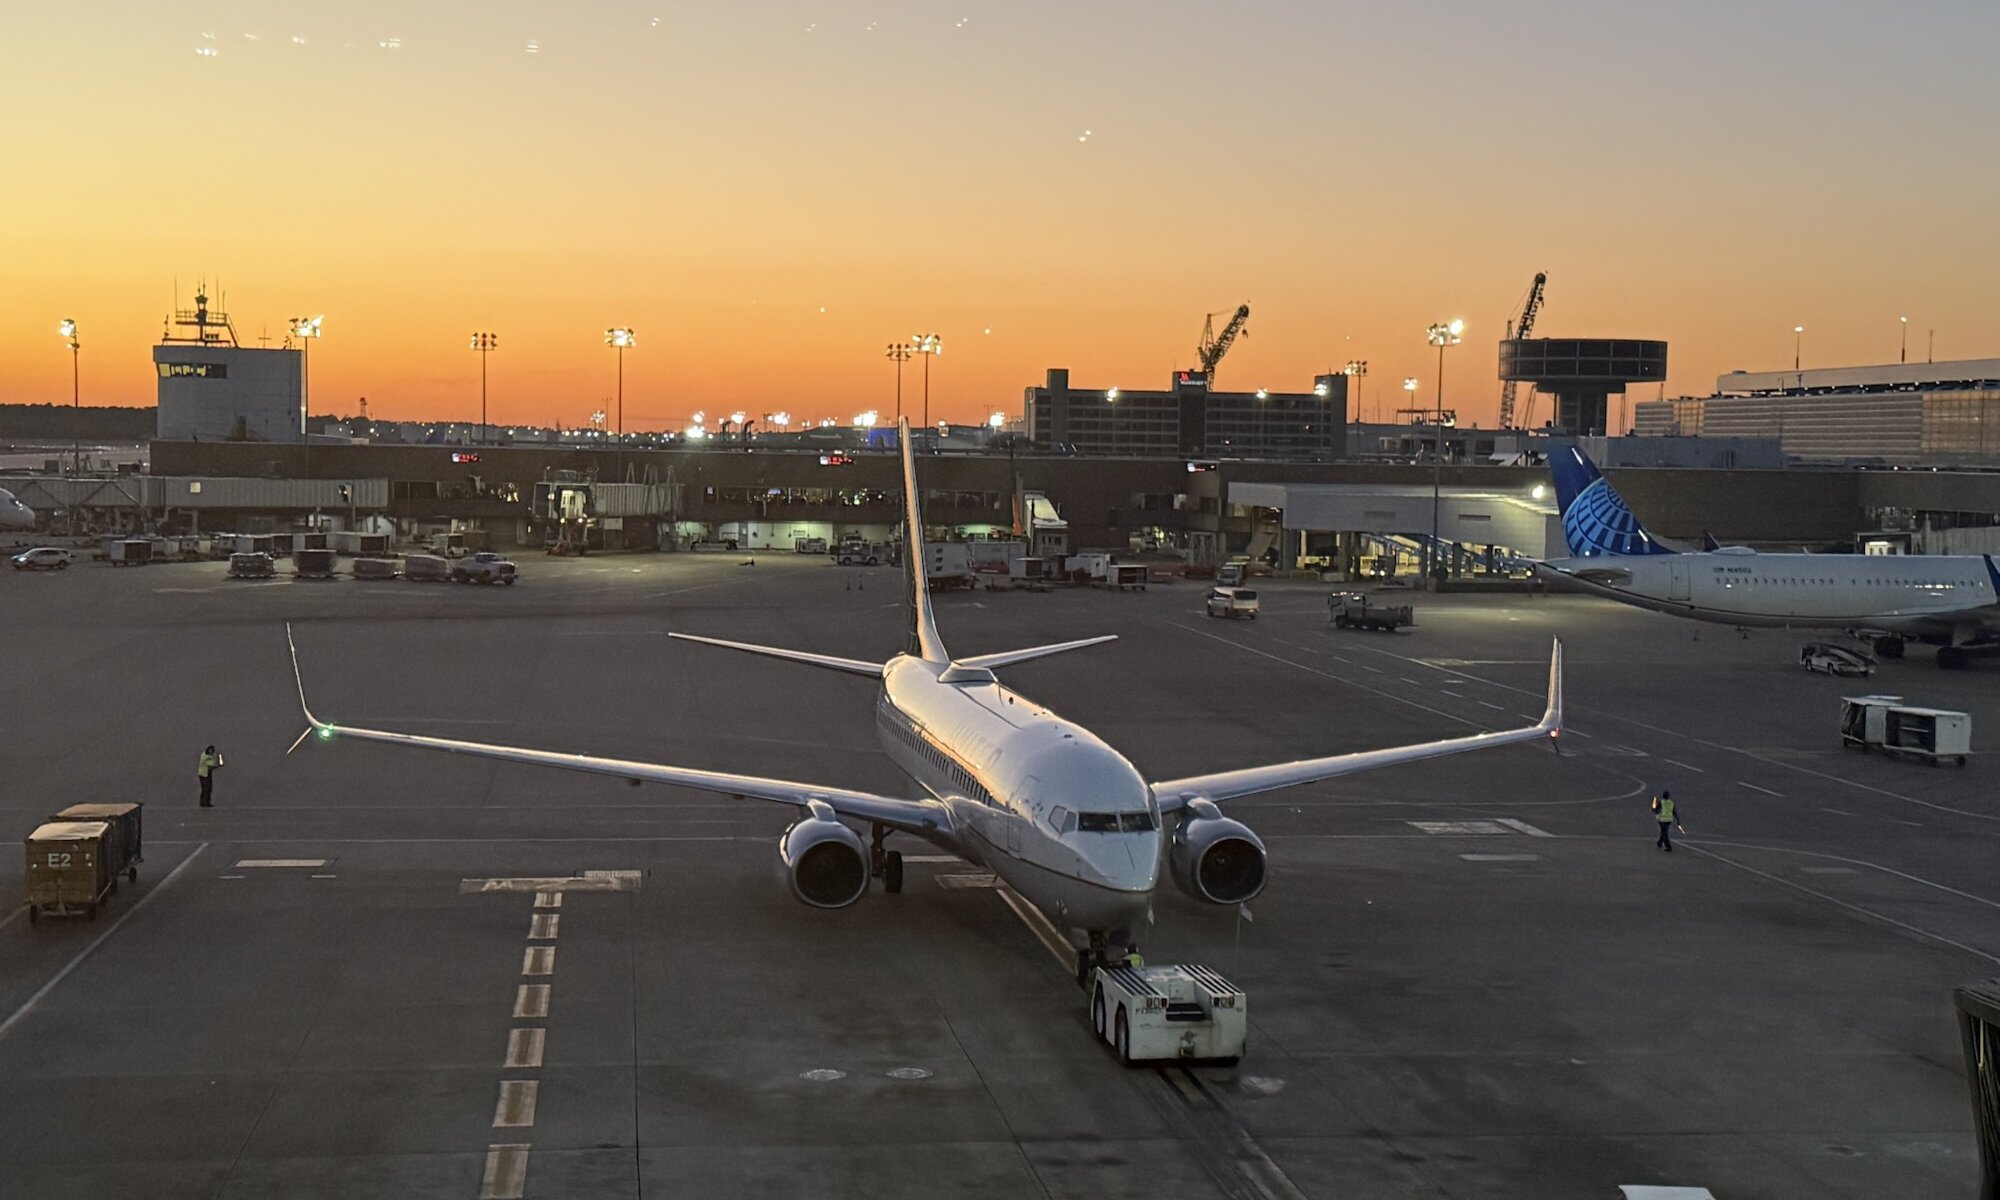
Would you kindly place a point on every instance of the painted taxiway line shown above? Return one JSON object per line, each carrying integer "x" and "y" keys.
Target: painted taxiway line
{"x": 1522, "y": 827}
{"x": 538, "y": 960}
{"x": 1753, "y": 787}
{"x": 531, "y": 1001}
{"x": 542, "y": 926}
{"x": 516, "y": 1106}
{"x": 28, "y": 1005}
{"x": 506, "y": 1175}
{"x": 1046, "y": 933}
{"x": 1838, "y": 903}
{"x": 524, "y": 1048}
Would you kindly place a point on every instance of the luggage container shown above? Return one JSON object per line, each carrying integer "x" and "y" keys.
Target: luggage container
{"x": 426, "y": 568}
{"x": 131, "y": 552}
{"x": 1124, "y": 575}
{"x": 1885, "y": 723}
{"x": 1170, "y": 1013}
{"x": 312, "y": 564}
{"x": 69, "y": 871}
{"x": 125, "y": 844}
{"x": 375, "y": 568}
{"x": 356, "y": 544}
{"x": 312, "y": 540}
{"x": 251, "y": 566}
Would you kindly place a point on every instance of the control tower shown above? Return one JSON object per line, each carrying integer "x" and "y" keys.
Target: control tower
{"x": 1582, "y": 374}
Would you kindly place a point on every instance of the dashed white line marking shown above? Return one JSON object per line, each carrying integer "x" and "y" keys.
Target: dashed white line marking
{"x": 542, "y": 926}
{"x": 1522, "y": 827}
{"x": 1410, "y": 681}
{"x": 1491, "y": 705}
{"x": 976, "y": 879}
{"x": 1576, "y": 733}
{"x": 1753, "y": 787}
{"x": 538, "y": 960}
{"x": 1828, "y": 871}
{"x": 516, "y": 1109}
{"x": 506, "y": 1173}
{"x": 1838, "y": 812}
{"x": 232, "y": 877}
{"x": 1501, "y": 857}
{"x": 1684, "y": 766}
{"x": 280, "y": 862}
{"x": 548, "y": 899}
{"x": 326, "y": 877}
{"x": 1366, "y": 667}
{"x": 532, "y": 1000}
{"x": 524, "y": 1047}
{"x": 932, "y": 858}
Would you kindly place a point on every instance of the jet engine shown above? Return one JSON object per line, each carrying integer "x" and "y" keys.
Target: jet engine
{"x": 1215, "y": 859}
{"x": 824, "y": 861}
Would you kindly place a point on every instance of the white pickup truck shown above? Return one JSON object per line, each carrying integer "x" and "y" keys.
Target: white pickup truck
{"x": 483, "y": 567}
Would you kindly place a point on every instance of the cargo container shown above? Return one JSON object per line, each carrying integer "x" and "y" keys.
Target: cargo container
{"x": 375, "y": 568}
{"x": 312, "y": 564}
{"x": 356, "y": 544}
{"x": 69, "y": 871}
{"x": 251, "y": 566}
{"x": 426, "y": 568}
{"x": 125, "y": 844}
{"x": 131, "y": 552}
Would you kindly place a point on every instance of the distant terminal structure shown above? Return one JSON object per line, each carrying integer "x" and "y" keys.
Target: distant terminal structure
{"x": 213, "y": 390}
{"x": 1582, "y": 374}
{"x": 1187, "y": 418}
{"x": 1934, "y": 413}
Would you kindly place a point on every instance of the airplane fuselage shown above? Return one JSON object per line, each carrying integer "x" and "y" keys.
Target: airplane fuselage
{"x": 1914, "y": 594}
{"x": 13, "y": 513}
{"x": 1045, "y": 804}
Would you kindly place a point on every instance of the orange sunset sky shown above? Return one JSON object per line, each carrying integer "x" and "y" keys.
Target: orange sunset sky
{"x": 768, "y": 193}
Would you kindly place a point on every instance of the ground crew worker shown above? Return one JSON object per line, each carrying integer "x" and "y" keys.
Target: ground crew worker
{"x": 1132, "y": 958}
{"x": 1664, "y": 812}
{"x": 204, "y": 770}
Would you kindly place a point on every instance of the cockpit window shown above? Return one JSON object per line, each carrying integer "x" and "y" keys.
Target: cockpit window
{"x": 1103, "y": 822}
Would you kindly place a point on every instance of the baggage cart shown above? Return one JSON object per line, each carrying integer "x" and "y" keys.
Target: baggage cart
{"x": 69, "y": 871}
{"x": 311, "y": 563}
{"x": 126, "y": 843}
{"x": 1885, "y": 723}
{"x": 255, "y": 565}
{"x": 1171, "y": 1013}
{"x": 375, "y": 568}
{"x": 426, "y": 568}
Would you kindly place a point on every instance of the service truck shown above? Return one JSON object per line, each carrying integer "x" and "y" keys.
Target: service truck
{"x": 483, "y": 567}
{"x": 1353, "y": 610}
{"x": 1171, "y": 1013}
{"x": 948, "y": 565}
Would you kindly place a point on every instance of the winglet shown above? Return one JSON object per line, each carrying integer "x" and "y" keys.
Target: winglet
{"x": 313, "y": 724}
{"x": 1552, "y": 716}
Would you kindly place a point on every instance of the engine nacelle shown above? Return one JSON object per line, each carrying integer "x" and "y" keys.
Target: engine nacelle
{"x": 1215, "y": 859}
{"x": 824, "y": 861}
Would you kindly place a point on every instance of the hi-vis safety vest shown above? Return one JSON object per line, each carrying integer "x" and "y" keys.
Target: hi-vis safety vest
{"x": 208, "y": 764}
{"x": 1666, "y": 812}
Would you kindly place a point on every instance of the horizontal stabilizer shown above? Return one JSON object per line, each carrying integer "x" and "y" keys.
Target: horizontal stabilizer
{"x": 853, "y": 666}
{"x": 1007, "y": 658}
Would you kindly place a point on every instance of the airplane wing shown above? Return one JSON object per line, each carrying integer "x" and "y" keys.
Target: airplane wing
{"x": 1228, "y": 785}
{"x": 1007, "y": 658}
{"x": 853, "y": 666}
{"x": 924, "y": 818}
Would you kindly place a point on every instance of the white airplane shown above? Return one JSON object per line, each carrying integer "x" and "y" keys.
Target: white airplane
{"x": 1952, "y": 600}
{"x": 1061, "y": 817}
{"x": 13, "y": 513}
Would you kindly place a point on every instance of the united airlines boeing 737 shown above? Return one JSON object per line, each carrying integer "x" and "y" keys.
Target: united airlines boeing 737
{"x": 1061, "y": 817}
{"x": 1951, "y": 600}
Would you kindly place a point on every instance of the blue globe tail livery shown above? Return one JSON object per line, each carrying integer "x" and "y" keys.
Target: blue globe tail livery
{"x": 1596, "y": 521}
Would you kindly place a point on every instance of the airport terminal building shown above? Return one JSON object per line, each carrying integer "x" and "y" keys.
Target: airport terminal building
{"x": 1903, "y": 414}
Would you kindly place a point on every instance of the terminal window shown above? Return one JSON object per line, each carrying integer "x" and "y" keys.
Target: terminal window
{"x": 197, "y": 370}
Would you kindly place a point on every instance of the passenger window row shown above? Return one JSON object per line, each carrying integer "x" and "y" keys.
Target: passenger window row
{"x": 941, "y": 761}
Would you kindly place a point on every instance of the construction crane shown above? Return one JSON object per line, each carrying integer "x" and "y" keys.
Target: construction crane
{"x": 1520, "y": 330}
{"x": 1214, "y": 345}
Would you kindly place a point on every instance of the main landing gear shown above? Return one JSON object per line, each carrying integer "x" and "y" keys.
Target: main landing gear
{"x": 885, "y": 864}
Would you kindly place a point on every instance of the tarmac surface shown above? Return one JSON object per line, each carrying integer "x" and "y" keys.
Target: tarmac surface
{"x": 1469, "y": 978}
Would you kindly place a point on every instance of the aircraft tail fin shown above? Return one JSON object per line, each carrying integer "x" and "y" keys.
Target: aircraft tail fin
{"x": 924, "y": 640}
{"x": 1597, "y": 523}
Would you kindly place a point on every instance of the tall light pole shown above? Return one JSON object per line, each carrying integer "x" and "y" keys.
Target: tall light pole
{"x": 901, "y": 354}
{"x": 1356, "y": 370}
{"x": 68, "y": 330}
{"x": 485, "y": 343}
{"x": 306, "y": 329}
{"x": 1440, "y": 336}
{"x": 930, "y": 345}
{"x": 1903, "y": 355}
{"x": 618, "y": 339}
{"x": 1798, "y": 341}
{"x": 1409, "y": 392}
